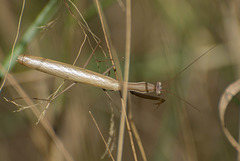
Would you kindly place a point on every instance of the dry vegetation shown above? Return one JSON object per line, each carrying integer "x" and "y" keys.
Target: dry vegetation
{"x": 166, "y": 37}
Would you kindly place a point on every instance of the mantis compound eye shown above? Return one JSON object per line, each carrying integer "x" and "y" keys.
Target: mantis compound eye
{"x": 158, "y": 88}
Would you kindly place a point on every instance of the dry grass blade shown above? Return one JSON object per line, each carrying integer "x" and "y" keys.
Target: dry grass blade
{"x": 227, "y": 96}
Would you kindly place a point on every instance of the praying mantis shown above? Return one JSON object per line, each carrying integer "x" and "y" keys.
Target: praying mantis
{"x": 81, "y": 75}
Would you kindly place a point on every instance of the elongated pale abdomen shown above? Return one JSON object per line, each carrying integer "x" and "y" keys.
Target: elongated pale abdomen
{"x": 69, "y": 72}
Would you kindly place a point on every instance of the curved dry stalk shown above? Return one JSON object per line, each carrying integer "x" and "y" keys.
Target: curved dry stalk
{"x": 226, "y": 97}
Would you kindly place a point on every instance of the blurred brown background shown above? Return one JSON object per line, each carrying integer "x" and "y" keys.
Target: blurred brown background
{"x": 166, "y": 37}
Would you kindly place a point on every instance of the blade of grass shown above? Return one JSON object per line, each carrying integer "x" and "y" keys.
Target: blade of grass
{"x": 226, "y": 97}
